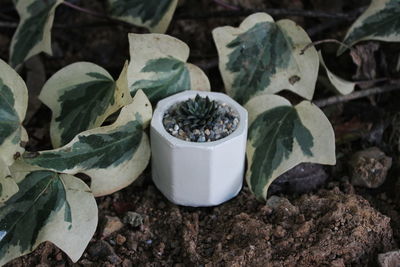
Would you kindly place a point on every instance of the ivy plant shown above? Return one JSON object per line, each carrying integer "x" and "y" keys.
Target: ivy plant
{"x": 340, "y": 85}
{"x": 33, "y": 34}
{"x": 154, "y": 15}
{"x": 380, "y": 21}
{"x": 281, "y": 136}
{"x": 41, "y": 199}
{"x": 82, "y": 94}
{"x": 13, "y": 105}
{"x": 158, "y": 67}
{"x": 263, "y": 56}
{"x": 39, "y": 188}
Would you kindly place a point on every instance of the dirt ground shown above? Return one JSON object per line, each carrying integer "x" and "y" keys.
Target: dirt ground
{"x": 317, "y": 218}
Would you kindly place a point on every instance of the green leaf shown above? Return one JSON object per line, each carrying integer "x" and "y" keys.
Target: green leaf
{"x": 13, "y": 105}
{"x": 282, "y": 136}
{"x": 113, "y": 156}
{"x": 81, "y": 96}
{"x": 263, "y": 57}
{"x": 158, "y": 67}
{"x": 173, "y": 77}
{"x": 340, "y": 85}
{"x": 33, "y": 33}
{"x": 48, "y": 207}
{"x": 381, "y": 21}
{"x": 154, "y": 15}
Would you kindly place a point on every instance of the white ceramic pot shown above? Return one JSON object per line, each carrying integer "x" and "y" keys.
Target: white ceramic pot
{"x": 198, "y": 174}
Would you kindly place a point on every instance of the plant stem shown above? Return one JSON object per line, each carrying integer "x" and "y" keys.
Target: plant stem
{"x": 323, "y": 42}
{"x": 85, "y": 10}
{"x": 226, "y": 5}
{"x": 358, "y": 94}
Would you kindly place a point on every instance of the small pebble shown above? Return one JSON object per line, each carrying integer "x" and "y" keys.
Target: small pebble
{"x": 120, "y": 239}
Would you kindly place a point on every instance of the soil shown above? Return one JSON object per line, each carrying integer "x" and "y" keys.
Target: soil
{"x": 313, "y": 217}
{"x": 331, "y": 227}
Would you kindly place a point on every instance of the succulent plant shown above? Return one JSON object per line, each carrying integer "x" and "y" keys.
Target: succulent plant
{"x": 197, "y": 112}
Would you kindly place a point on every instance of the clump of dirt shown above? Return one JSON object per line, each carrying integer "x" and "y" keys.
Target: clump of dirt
{"x": 329, "y": 227}
{"x": 325, "y": 228}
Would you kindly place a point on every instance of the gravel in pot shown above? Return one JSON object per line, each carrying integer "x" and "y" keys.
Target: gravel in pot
{"x": 200, "y": 119}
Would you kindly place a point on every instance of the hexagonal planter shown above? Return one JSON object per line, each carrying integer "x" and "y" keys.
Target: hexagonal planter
{"x": 198, "y": 174}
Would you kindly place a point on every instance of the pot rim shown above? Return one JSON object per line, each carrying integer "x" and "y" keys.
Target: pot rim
{"x": 166, "y": 103}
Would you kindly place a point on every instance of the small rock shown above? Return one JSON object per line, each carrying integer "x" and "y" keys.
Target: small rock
{"x": 59, "y": 256}
{"x": 176, "y": 127}
{"x": 201, "y": 139}
{"x": 282, "y": 207}
{"x": 389, "y": 259}
{"x": 111, "y": 225}
{"x": 303, "y": 178}
{"x": 120, "y": 239}
{"x": 369, "y": 167}
{"x": 338, "y": 263}
{"x": 114, "y": 259}
{"x": 207, "y": 132}
{"x": 133, "y": 218}
{"x": 279, "y": 231}
{"x": 100, "y": 249}
{"x": 127, "y": 263}
{"x": 85, "y": 262}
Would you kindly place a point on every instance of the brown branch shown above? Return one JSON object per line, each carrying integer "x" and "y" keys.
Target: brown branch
{"x": 320, "y": 27}
{"x": 227, "y": 5}
{"x": 271, "y": 11}
{"x": 85, "y": 10}
{"x": 358, "y": 94}
{"x": 5, "y": 24}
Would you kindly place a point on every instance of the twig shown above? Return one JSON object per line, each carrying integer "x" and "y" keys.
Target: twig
{"x": 85, "y": 10}
{"x": 323, "y": 42}
{"x": 358, "y": 94}
{"x": 320, "y": 27}
{"x": 227, "y": 5}
{"x": 271, "y": 11}
{"x": 372, "y": 81}
{"x": 5, "y": 24}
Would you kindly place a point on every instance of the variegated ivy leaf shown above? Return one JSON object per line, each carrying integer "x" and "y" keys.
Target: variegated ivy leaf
{"x": 81, "y": 96}
{"x": 8, "y": 187}
{"x": 342, "y": 86}
{"x": 158, "y": 67}
{"x": 263, "y": 57}
{"x": 48, "y": 207}
{"x": 113, "y": 156}
{"x": 154, "y": 15}
{"x": 381, "y": 21}
{"x": 13, "y": 105}
{"x": 33, "y": 34}
{"x": 282, "y": 136}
